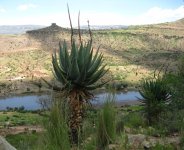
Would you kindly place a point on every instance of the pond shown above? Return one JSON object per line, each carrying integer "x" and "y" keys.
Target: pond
{"x": 119, "y": 97}
{"x": 31, "y": 102}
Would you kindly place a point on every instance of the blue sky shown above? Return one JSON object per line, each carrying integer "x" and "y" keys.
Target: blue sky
{"x": 98, "y": 12}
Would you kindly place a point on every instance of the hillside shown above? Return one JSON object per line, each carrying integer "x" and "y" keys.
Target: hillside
{"x": 131, "y": 54}
{"x": 177, "y": 24}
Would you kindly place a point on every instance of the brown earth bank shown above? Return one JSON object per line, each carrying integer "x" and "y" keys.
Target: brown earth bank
{"x": 20, "y": 129}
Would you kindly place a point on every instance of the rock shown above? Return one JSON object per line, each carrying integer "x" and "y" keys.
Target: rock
{"x": 127, "y": 130}
{"x": 173, "y": 140}
{"x": 141, "y": 141}
{"x": 146, "y": 145}
{"x": 4, "y": 145}
{"x": 136, "y": 139}
{"x": 112, "y": 146}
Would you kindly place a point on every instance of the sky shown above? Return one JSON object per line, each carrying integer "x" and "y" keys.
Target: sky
{"x": 98, "y": 12}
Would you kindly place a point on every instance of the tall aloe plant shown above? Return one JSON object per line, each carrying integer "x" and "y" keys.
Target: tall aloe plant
{"x": 78, "y": 70}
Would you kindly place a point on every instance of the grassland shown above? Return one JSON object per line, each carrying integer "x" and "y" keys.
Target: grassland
{"x": 132, "y": 132}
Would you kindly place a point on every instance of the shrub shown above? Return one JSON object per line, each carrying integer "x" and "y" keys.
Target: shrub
{"x": 120, "y": 125}
{"x": 134, "y": 120}
{"x": 181, "y": 66}
{"x": 162, "y": 147}
{"x": 176, "y": 83}
{"x": 172, "y": 121}
{"x": 56, "y": 136}
{"x": 106, "y": 125}
{"x": 156, "y": 96}
{"x": 182, "y": 142}
{"x": 90, "y": 145}
{"x": 24, "y": 141}
{"x": 124, "y": 144}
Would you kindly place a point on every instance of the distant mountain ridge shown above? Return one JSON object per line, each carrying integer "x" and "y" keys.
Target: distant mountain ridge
{"x": 104, "y": 27}
{"x": 18, "y": 29}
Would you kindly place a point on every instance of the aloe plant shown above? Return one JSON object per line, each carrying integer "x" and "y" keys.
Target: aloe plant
{"x": 78, "y": 70}
{"x": 156, "y": 96}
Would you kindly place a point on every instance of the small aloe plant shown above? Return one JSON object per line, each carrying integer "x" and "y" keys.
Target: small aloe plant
{"x": 156, "y": 96}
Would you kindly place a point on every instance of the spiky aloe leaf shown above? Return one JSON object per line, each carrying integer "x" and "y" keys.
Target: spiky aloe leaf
{"x": 58, "y": 72}
{"x": 89, "y": 58}
{"x": 62, "y": 57}
{"x": 81, "y": 57}
{"x": 74, "y": 70}
{"x": 95, "y": 57}
{"x": 74, "y": 51}
{"x": 95, "y": 77}
{"x": 83, "y": 60}
{"x": 93, "y": 87}
{"x": 86, "y": 52}
{"x": 95, "y": 66}
{"x": 67, "y": 61}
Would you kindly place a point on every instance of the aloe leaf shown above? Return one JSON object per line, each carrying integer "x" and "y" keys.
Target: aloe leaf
{"x": 59, "y": 73}
{"x": 100, "y": 73}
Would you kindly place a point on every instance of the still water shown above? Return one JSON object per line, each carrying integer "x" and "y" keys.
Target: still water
{"x": 31, "y": 102}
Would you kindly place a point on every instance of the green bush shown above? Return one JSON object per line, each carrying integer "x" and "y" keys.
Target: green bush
{"x": 176, "y": 83}
{"x": 90, "y": 145}
{"x": 120, "y": 125}
{"x": 106, "y": 125}
{"x": 24, "y": 141}
{"x": 56, "y": 136}
{"x": 182, "y": 142}
{"x": 181, "y": 66}
{"x": 171, "y": 121}
{"x": 162, "y": 147}
{"x": 124, "y": 144}
{"x": 134, "y": 120}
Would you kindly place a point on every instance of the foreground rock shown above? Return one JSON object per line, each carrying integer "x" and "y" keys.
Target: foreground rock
{"x": 4, "y": 145}
{"x": 144, "y": 141}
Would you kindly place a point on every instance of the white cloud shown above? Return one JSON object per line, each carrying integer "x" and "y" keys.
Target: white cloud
{"x": 2, "y": 10}
{"x": 159, "y": 15}
{"x": 25, "y": 7}
{"x": 153, "y": 15}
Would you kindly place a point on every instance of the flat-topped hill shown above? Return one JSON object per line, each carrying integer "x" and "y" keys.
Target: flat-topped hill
{"x": 52, "y": 28}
